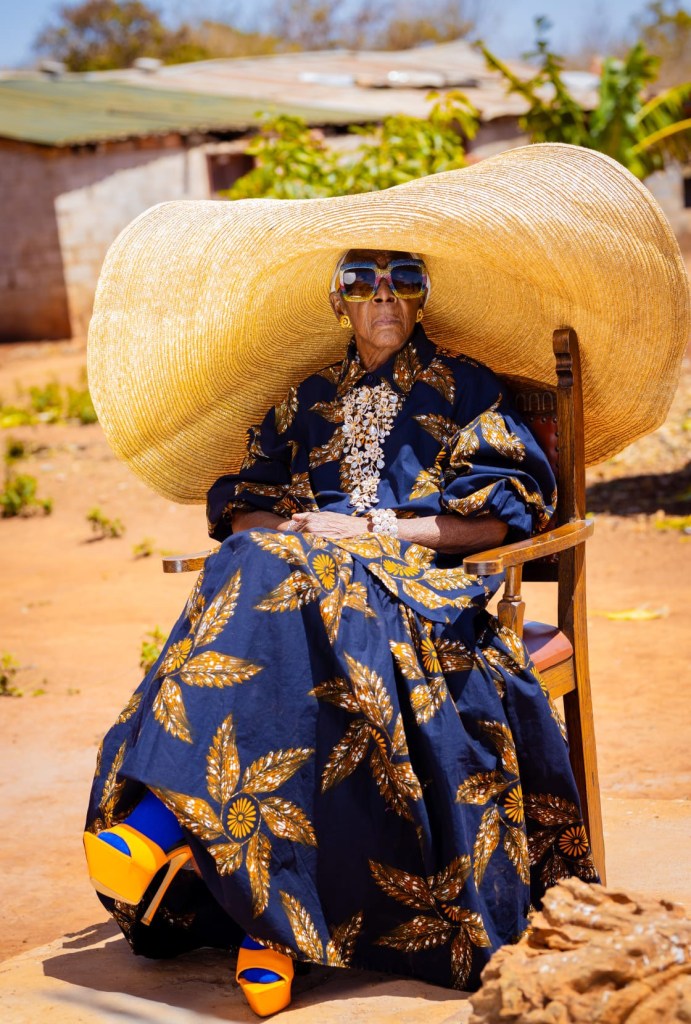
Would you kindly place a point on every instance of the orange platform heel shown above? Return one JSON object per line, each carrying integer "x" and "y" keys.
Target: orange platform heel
{"x": 270, "y": 997}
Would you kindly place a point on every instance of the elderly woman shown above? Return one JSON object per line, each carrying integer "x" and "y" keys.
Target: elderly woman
{"x": 338, "y": 738}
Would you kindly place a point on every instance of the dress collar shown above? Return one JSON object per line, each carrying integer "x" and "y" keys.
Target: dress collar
{"x": 400, "y": 371}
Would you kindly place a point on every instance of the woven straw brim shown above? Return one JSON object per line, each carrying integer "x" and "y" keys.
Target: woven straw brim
{"x": 207, "y": 311}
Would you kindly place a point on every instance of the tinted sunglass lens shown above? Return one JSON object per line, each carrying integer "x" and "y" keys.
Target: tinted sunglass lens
{"x": 358, "y": 282}
{"x": 408, "y": 280}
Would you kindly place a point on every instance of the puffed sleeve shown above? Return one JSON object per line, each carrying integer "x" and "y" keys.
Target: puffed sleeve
{"x": 265, "y": 475}
{"x": 493, "y": 466}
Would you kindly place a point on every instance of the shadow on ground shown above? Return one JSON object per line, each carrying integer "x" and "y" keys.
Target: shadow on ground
{"x": 105, "y": 976}
{"x": 644, "y": 494}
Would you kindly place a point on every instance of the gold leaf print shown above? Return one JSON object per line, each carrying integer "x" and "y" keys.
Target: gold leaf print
{"x": 486, "y": 842}
{"x": 550, "y": 810}
{"x": 356, "y": 597}
{"x": 346, "y": 755}
{"x": 473, "y": 502}
{"x": 532, "y": 498}
{"x": 370, "y": 693}
{"x": 440, "y": 377}
{"x": 169, "y": 711}
{"x": 406, "y": 368}
{"x": 354, "y": 372}
{"x": 408, "y": 889}
{"x": 497, "y": 434}
{"x": 473, "y": 926}
{"x": 333, "y": 449}
{"x": 331, "y": 411}
{"x": 254, "y": 447}
{"x": 398, "y": 742}
{"x": 454, "y": 656}
{"x": 426, "y": 483}
{"x": 195, "y": 602}
{"x": 112, "y": 787}
{"x": 264, "y": 490}
{"x": 441, "y": 428}
{"x": 336, "y": 691}
{"x": 219, "y": 612}
{"x": 449, "y": 579}
{"x": 516, "y": 847}
{"x": 497, "y": 659}
{"x": 553, "y": 869}
{"x": 214, "y": 669}
{"x": 464, "y": 444}
{"x": 287, "y": 820}
{"x": 269, "y": 772}
{"x": 306, "y": 935}
{"x": 194, "y": 814}
{"x": 330, "y": 609}
{"x": 257, "y": 862}
{"x": 478, "y": 789}
{"x": 406, "y": 780}
{"x": 461, "y": 960}
{"x": 129, "y": 708}
{"x": 391, "y": 785}
{"x": 417, "y": 555}
{"x": 407, "y": 660}
{"x": 502, "y": 739}
{"x": 365, "y": 546}
{"x": 427, "y": 698}
{"x": 285, "y": 411}
{"x": 331, "y": 373}
{"x": 223, "y": 763}
{"x": 448, "y": 883}
{"x": 283, "y": 545}
{"x": 292, "y": 593}
{"x": 430, "y": 599}
{"x": 99, "y": 760}
{"x": 539, "y": 842}
{"x": 341, "y": 945}
{"x": 513, "y": 642}
{"x": 423, "y": 932}
{"x": 228, "y": 857}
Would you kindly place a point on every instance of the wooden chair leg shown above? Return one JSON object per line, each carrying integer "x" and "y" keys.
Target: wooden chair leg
{"x": 578, "y": 708}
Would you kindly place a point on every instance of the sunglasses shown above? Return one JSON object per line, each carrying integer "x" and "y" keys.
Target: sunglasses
{"x": 359, "y": 282}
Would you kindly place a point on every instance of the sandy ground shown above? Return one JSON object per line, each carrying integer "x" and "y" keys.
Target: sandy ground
{"x": 74, "y": 612}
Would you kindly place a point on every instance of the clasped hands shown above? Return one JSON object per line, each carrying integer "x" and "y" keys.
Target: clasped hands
{"x": 326, "y": 524}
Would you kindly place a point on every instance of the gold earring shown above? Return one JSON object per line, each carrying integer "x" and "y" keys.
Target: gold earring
{"x": 418, "y": 316}
{"x": 344, "y": 321}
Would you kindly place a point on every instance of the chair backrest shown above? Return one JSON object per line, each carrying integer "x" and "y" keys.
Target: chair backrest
{"x": 554, "y": 415}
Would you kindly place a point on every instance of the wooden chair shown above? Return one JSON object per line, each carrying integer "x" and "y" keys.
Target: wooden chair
{"x": 559, "y": 652}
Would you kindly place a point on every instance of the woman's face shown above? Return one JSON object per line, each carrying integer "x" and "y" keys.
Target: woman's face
{"x": 384, "y": 322}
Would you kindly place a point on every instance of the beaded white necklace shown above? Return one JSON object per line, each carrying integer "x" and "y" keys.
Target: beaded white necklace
{"x": 368, "y": 416}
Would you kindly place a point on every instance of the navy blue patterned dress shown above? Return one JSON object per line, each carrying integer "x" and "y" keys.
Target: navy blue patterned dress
{"x": 365, "y": 763}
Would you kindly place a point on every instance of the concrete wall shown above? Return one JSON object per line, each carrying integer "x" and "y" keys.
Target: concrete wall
{"x": 668, "y": 188}
{"x": 61, "y": 209}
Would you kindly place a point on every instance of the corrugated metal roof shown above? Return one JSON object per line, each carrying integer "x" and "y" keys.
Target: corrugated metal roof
{"x": 72, "y": 110}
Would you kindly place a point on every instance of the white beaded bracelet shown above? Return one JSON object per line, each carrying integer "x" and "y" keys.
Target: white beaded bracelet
{"x": 383, "y": 521}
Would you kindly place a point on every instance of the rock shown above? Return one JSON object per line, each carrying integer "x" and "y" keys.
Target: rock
{"x": 593, "y": 956}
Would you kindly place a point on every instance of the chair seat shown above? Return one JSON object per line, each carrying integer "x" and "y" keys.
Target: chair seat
{"x": 547, "y": 645}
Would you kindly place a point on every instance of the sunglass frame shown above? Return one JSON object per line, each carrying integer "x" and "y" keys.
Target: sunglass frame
{"x": 382, "y": 273}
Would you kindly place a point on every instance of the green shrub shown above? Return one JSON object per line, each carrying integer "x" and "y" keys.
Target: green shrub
{"x": 9, "y": 667}
{"x": 102, "y": 526}
{"x": 151, "y": 648}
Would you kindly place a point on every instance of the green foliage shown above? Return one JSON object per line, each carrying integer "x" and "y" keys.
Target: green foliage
{"x": 102, "y": 526}
{"x": 50, "y": 403}
{"x": 151, "y": 648}
{"x": 144, "y": 549}
{"x": 294, "y": 162}
{"x": 664, "y": 28}
{"x": 18, "y": 496}
{"x": 97, "y": 35}
{"x": 9, "y": 667}
{"x": 638, "y": 134}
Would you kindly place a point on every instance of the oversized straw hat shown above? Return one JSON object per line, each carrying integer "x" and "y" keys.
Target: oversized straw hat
{"x": 207, "y": 311}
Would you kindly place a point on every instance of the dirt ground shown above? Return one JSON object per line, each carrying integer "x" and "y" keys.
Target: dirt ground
{"x": 74, "y": 612}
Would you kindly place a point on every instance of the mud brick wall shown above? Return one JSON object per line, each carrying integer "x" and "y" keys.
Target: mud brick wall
{"x": 59, "y": 211}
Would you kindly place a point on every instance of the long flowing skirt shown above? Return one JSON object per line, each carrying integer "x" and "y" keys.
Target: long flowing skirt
{"x": 365, "y": 763}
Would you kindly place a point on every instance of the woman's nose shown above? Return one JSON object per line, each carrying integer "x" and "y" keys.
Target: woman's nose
{"x": 384, "y": 293}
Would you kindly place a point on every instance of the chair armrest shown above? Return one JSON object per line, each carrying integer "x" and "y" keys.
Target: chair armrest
{"x": 186, "y": 563}
{"x": 486, "y": 563}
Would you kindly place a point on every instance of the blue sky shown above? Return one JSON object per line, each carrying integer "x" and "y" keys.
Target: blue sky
{"x": 509, "y": 30}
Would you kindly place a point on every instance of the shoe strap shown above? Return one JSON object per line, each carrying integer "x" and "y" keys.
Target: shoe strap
{"x": 268, "y": 959}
